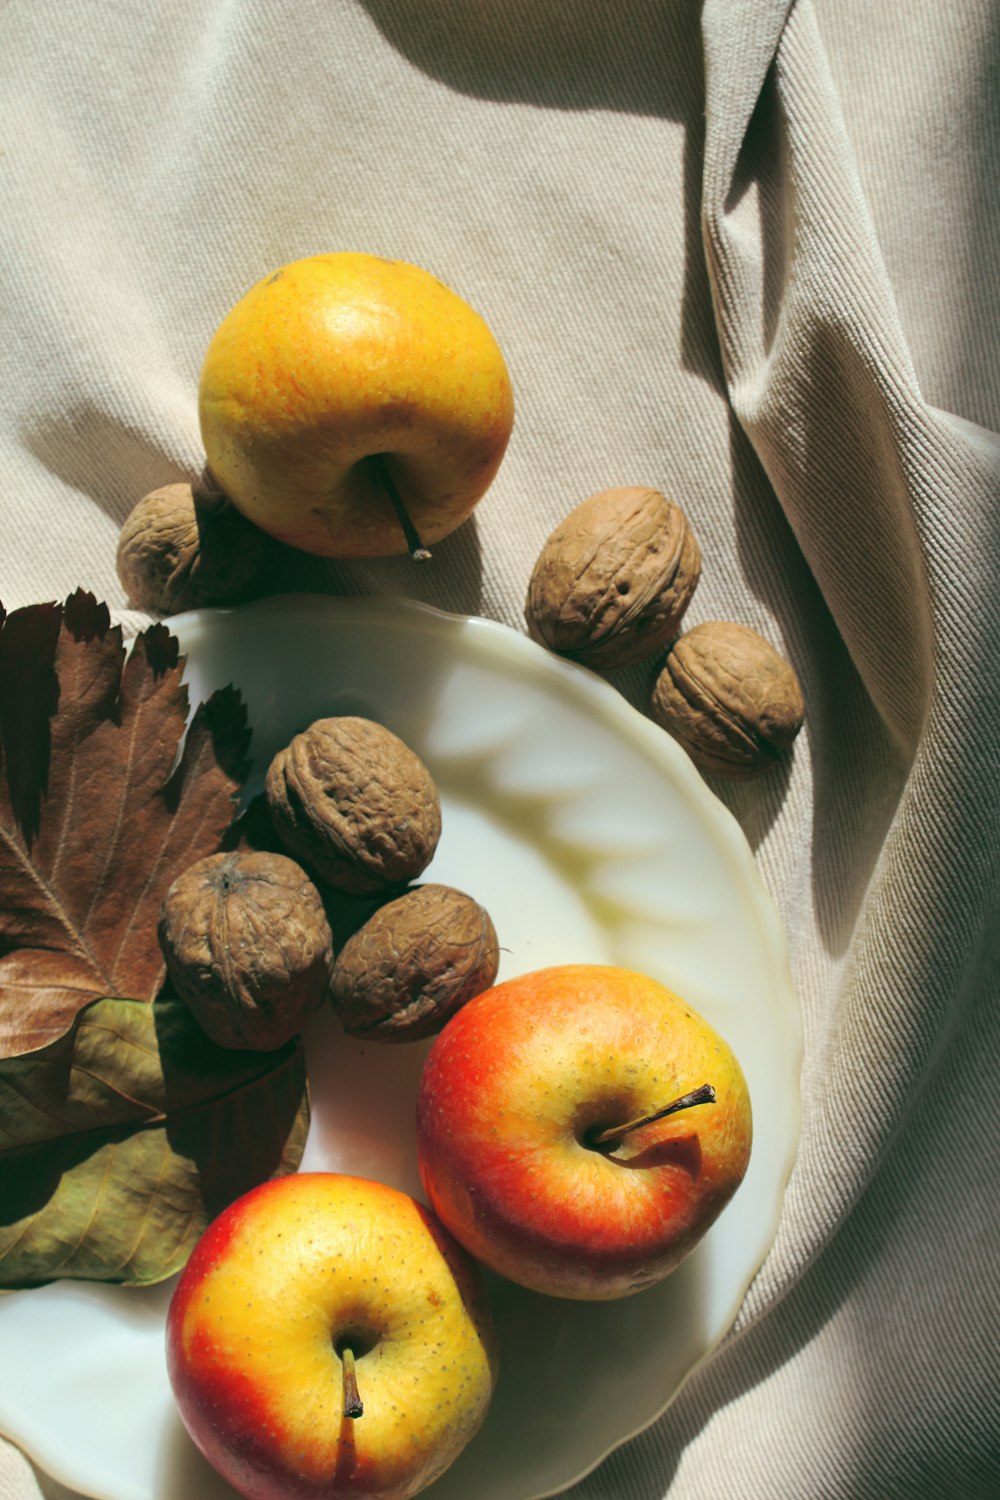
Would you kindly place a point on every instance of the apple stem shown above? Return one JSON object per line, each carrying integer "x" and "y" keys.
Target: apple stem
{"x": 703, "y": 1095}
{"x": 418, "y": 552}
{"x": 353, "y": 1406}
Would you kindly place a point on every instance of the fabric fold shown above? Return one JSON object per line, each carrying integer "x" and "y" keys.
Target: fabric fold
{"x": 894, "y": 506}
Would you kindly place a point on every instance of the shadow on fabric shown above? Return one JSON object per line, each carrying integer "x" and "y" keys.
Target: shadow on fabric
{"x": 631, "y": 58}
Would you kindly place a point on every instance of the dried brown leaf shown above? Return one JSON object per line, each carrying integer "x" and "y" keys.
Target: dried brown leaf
{"x": 98, "y": 811}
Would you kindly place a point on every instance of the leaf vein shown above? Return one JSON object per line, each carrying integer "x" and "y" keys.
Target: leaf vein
{"x": 165, "y": 1157}
{"x": 53, "y": 904}
{"x": 54, "y": 1270}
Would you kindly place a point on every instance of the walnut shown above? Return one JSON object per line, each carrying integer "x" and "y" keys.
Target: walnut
{"x": 614, "y": 579}
{"x": 729, "y": 698}
{"x": 413, "y": 964}
{"x": 184, "y": 547}
{"x": 355, "y": 804}
{"x": 247, "y": 946}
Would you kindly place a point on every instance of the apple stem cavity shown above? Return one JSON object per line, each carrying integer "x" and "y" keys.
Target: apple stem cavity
{"x": 418, "y": 552}
{"x": 353, "y": 1405}
{"x": 703, "y": 1095}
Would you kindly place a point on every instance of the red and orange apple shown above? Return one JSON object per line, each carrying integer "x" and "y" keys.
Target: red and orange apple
{"x": 580, "y": 1128}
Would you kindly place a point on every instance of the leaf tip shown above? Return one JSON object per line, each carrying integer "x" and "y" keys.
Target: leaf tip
{"x": 85, "y": 617}
{"x": 224, "y": 715}
{"x": 162, "y": 650}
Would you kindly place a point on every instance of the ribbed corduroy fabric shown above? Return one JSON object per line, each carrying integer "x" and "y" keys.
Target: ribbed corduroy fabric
{"x": 744, "y": 251}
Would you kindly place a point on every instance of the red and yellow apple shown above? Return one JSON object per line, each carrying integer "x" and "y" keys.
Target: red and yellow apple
{"x": 328, "y": 1338}
{"x": 353, "y": 406}
{"x": 579, "y": 1129}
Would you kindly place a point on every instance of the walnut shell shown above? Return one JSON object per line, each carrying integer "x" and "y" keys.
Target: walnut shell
{"x": 614, "y": 579}
{"x": 184, "y": 547}
{"x": 413, "y": 964}
{"x": 247, "y": 946}
{"x": 355, "y": 804}
{"x": 729, "y": 698}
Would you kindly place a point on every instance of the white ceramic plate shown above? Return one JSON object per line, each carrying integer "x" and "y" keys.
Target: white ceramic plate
{"x": 590, "y": 838}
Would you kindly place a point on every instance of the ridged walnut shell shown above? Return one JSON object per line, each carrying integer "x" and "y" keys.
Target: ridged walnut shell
{"x": 247, "y": 946}
{"x": 184, "y": 547}
{"x": 355, "y": 804}
{"x": 613, "y": 580}
{"x": 414, "y": 964}
{"x": 730, "y": 699}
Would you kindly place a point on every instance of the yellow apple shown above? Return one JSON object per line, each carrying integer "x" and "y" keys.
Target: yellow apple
{"x": 329, "y": 1338}
{"x": 354, "y": 407}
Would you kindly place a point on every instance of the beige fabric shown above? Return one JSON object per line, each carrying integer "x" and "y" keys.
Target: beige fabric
{"x": 747, "y": 253}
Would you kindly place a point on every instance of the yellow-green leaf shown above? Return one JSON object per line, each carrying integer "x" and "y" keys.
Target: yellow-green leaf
{"x": 121, "y": 1140}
